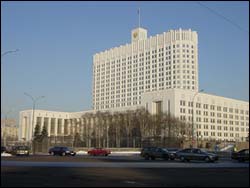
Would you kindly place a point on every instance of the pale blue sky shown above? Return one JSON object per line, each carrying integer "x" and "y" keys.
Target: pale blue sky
{"x": 57, "y": 41}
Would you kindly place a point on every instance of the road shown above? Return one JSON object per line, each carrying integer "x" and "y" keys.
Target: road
{"x": 119, "y": 171}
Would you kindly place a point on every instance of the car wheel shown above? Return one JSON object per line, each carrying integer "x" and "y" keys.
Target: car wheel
{"x": 63, "y": 153}
{"x": 182, "y": 158}
{"x": 146, "y": 157}
{"x": 106, "y": 155}
{"x": 207, "y": 159}
{"x": 52, "y": 153}
{"x": 241, "y": 160}
{"x": 166, "y": 158}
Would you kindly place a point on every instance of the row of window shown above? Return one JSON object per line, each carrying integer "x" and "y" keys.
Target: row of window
{"x": 154, "y": 51}
{"x": 212, "y": 114}
{"x": 99, "y": 107}
{"x": 225, "y": 128}
{"x": 213, "y": 107}
{"x": 141, "y": 68}
{"x": 218, "y": 121}
{"x": 141, "y": 83}
{"x": 219, "y": 134}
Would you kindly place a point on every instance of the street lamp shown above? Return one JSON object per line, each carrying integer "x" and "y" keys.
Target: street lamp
{"x": 193, "y": 115}
{"x": 33, "y": 111}
{"x": 10, "y": 51}
{"x": 3, "y": 54}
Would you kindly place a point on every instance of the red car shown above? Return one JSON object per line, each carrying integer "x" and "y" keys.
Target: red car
{"x": 99, "y": 151}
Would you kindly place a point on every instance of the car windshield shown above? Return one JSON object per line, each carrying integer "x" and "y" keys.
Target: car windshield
{"x": 203, "y": 151}
{"x": 23, "y": 147}
{"x": 172, "y": 149}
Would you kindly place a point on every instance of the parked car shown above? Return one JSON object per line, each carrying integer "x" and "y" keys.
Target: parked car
{"x": 172, "y": 152}
{"x": 241, "y": 156}
{"x": 196, "y": 154}
{"x": 154, "y": 152}
{"x": 20, "y": 150}
{"x": 3, "y": 149}
{"x": 99, "y": 151}
{"x": 60, "y": 150}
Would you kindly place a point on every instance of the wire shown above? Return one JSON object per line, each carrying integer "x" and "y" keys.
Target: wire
{"x": 225, "y": 18}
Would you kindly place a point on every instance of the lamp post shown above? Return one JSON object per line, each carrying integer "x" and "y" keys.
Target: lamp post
{"x": 10, "y": 51}
{"x": 33, "y": 110}
{"x": 193, "y": 116}
{"x": 3, "y": 54}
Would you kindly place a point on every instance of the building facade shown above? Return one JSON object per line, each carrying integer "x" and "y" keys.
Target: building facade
{"x": 159, "y": 73}
{"x": 122, "y": 74}
{"x": 215, "y": 117}
{"x": 9, "y": 131}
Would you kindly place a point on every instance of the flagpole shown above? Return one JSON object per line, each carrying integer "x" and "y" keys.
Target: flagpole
{"x": 139, "y": 17}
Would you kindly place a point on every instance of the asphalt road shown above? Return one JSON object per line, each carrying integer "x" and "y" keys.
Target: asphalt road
{"x": 119, "y": 171}
{"x": 123, "y": 177}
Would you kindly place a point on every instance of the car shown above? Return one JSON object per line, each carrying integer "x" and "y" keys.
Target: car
{"x": 61, "y": 150}
{"x": 196, "y": 154}
{"x": 241, "y": 156}
{"x": 3, "y": 149}
{"x": 99, "y": 151}
{"x": 20, "y": 150}
{"x": 154, "y": 152}
{"x": 172, "y": 152}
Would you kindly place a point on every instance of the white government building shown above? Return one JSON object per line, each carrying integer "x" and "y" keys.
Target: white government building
{"x": 159, "y": 73}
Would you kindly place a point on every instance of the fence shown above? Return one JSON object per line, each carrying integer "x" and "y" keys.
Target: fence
{"x": 124, "y": 142}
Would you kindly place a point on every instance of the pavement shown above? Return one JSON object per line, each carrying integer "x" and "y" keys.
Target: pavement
{"x": 123, "y": 177}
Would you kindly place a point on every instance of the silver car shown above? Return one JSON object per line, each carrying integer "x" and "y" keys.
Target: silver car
{"x": 196, "y": 154}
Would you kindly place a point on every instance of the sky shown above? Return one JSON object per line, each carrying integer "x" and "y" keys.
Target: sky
{"x": 57, "y": 41}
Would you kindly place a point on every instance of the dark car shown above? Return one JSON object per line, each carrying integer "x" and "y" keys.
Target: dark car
{"x": 58, "y": 150}
{"x": 196, "y": 154}
{"x": 99, "y": 151}
{"x": 154, "y": 152}
{"x": 20, "y": 150}
{"x": 241, "y": 156}
{"x": 3, "y": 149}
{"x": 172, "y": 152}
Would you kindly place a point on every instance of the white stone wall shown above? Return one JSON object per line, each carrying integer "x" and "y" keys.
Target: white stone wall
{"x": 27, "y": 129}
{"x": 231, "y": 122}
{"x": 122, "y": 74}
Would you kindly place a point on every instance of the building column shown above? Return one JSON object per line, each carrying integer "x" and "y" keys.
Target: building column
{"x": 73, "y": 126}
{"x": 23, "y": 127}
{"x": 31, "y": 128}
{"x": 69, "y": 125}
{"x": 62, "y": 127}
{"x": 56, "y": 126}
{"x": 78, "y": 125}
{"x": 81, "y": 126}
{"x": 42, "y": 123}
{"x": 49, "y": 126}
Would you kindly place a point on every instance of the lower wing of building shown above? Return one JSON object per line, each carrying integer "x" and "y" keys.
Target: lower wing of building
{"x": 213, "y": 117}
